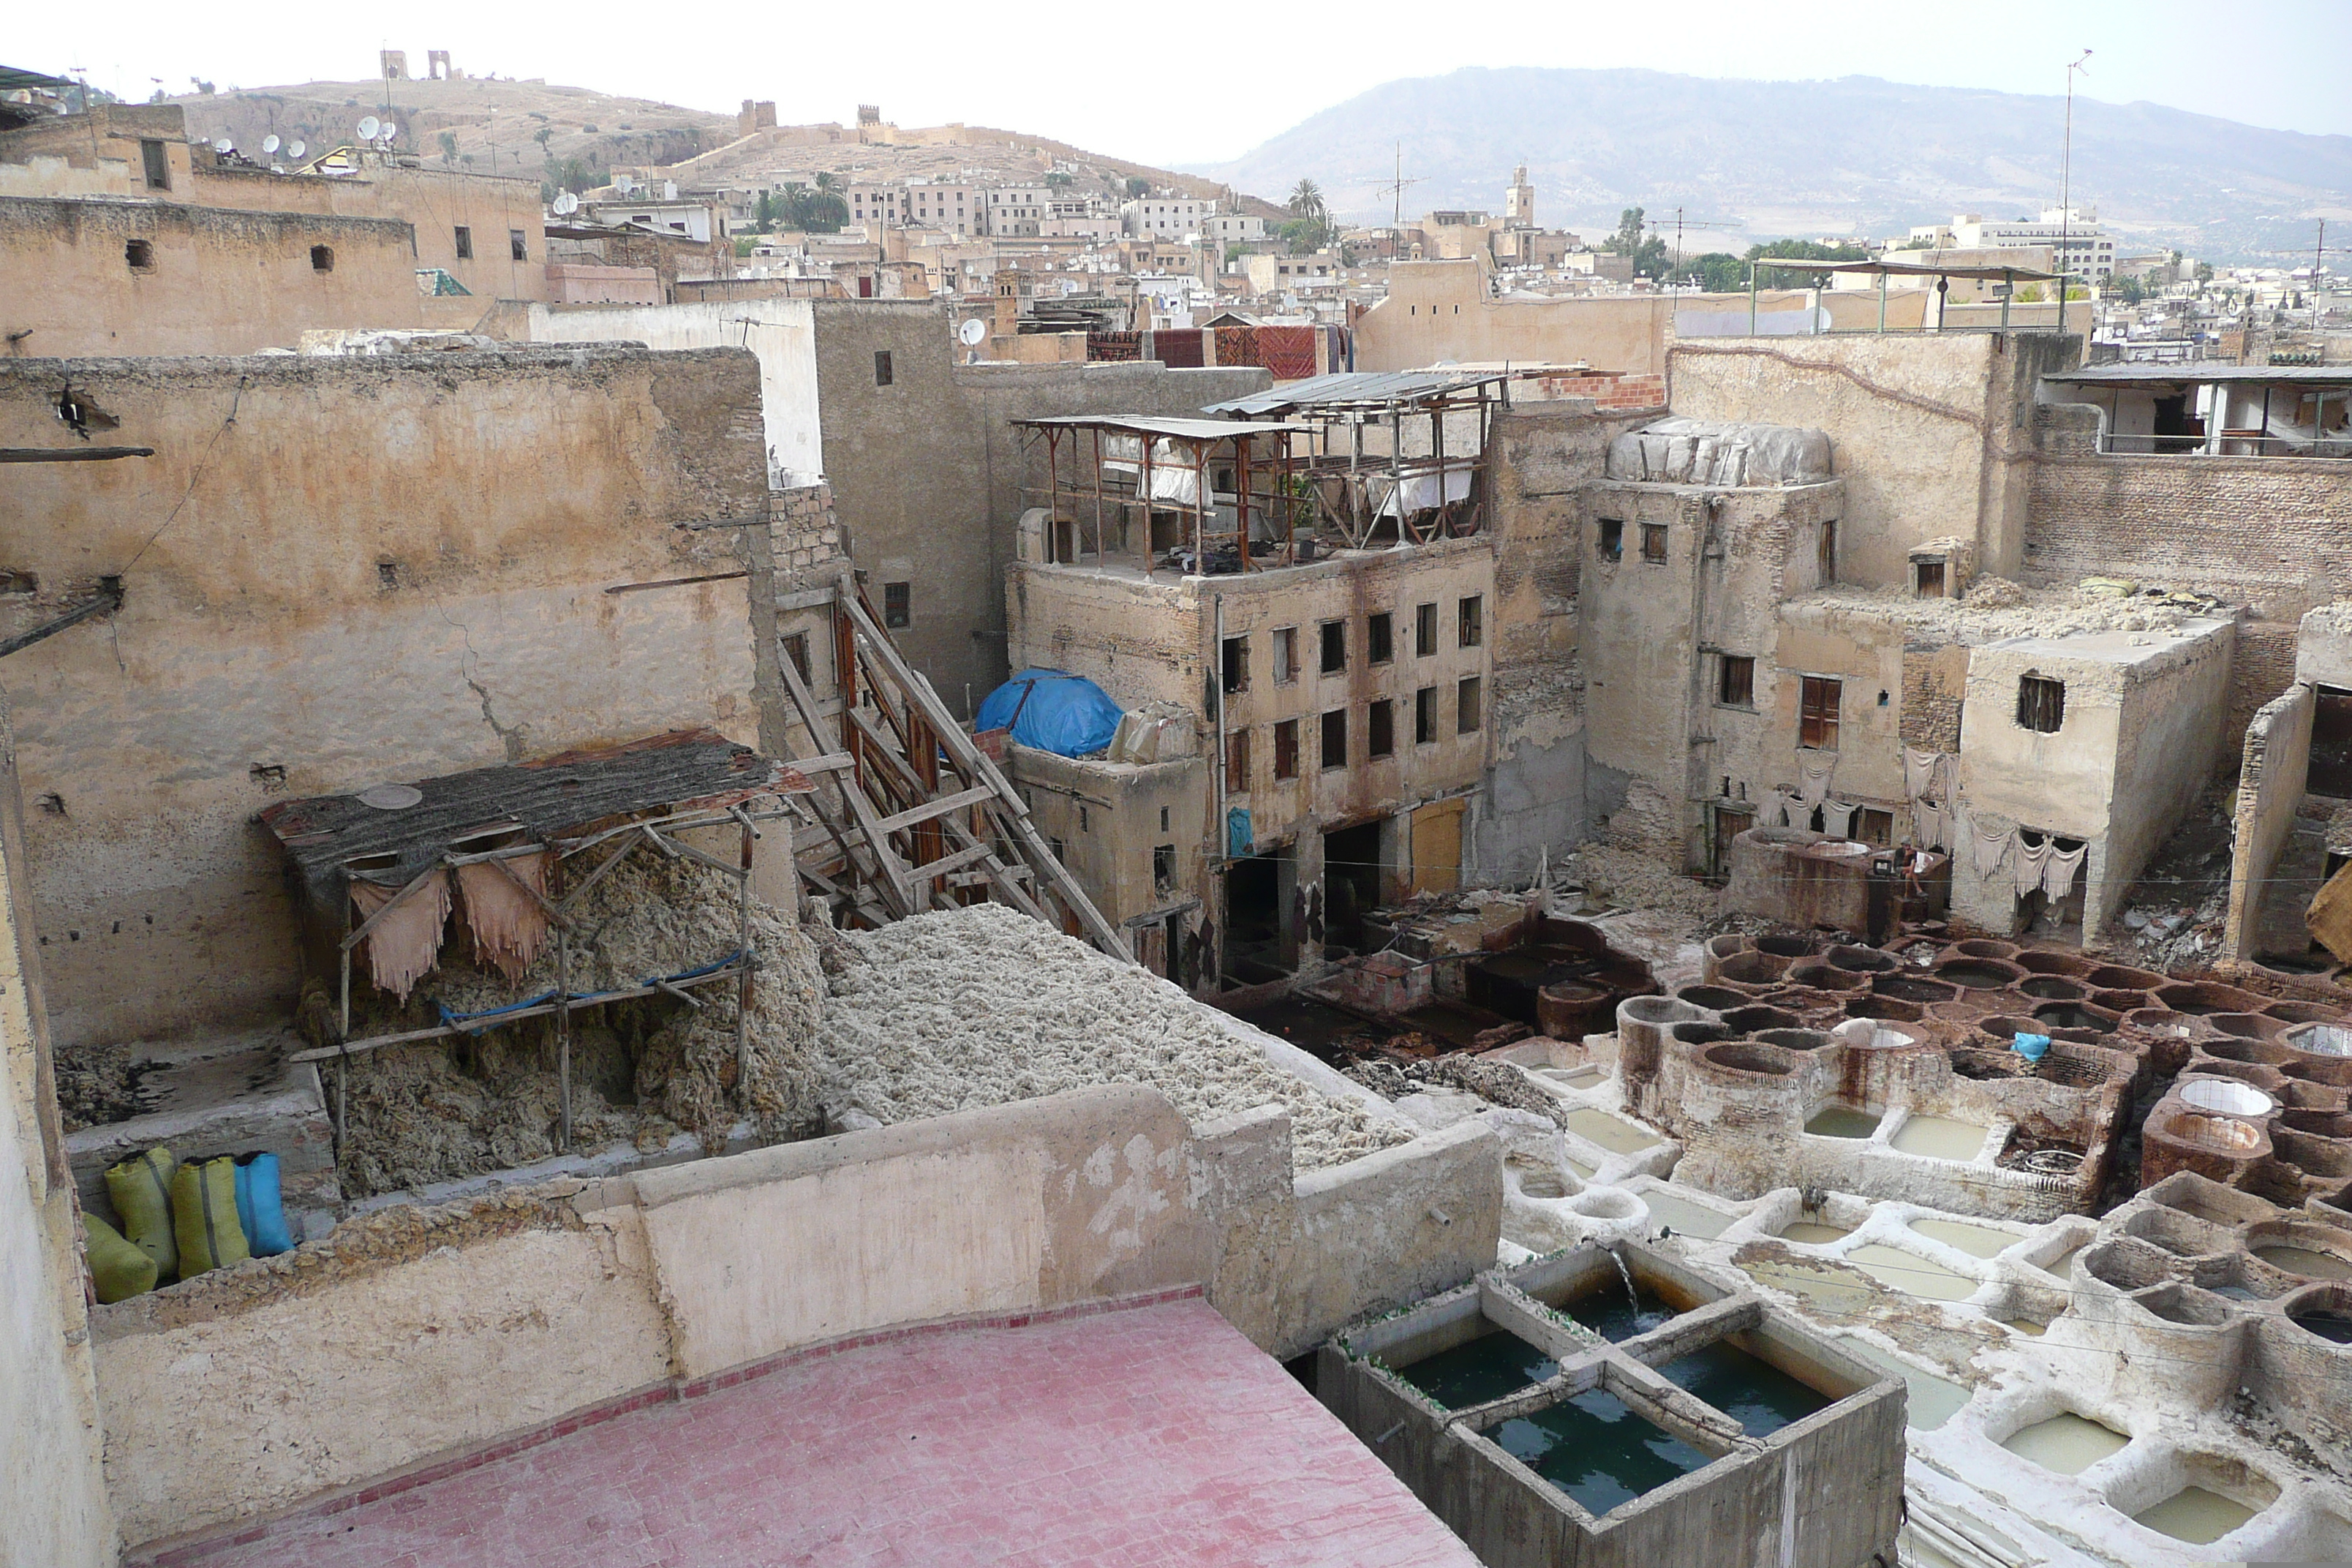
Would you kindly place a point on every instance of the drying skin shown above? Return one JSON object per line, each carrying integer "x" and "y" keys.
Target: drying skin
{"x": 982, "y": 1005}
{"x": 650, "y": 1068}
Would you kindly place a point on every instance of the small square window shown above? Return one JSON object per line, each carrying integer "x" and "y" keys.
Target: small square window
{"x": 1286, "y": 655}
{"x": 158, "y": 165}
{"x": 1424, "y": 631}
{"x": 1334, "y": 738}
{"x": 898, "y": 605}
{"x": 1735, "y": 683}
{"x": 1469, "y": 623}
{"x": 1163, "y": 867}
{"x": 1424, "y": 716}
{"x": 796, "y": 649}
{"x": 139, "y": 254}
{"x": 882, "y": 371}
{"x": 1286, "y": 748}
{"x": 1612, "y": 538}
{"x": 1335, "y": 647}
{"x": 2041, "y": 704}
{"x": 1236, "y": 665}
{"x": 322, "y": 258}
{"x": 465, "y": 243}
{"x": 1653, "y": 543}
{"x": 517, "y": 244}
{"x": 1379, "y": 730}
{"x": 1237, "y": 768}
{"x": 1379, "y": 638}
{"x": 1465, "y": 713}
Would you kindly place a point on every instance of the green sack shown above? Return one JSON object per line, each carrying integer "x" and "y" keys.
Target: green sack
{"x": 203, "y": 1214}
{"x": 141, "y": 1191}
{"x": 117, "y": 1267}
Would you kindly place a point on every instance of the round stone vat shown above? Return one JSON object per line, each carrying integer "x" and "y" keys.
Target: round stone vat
{"x": 1870, "y": 1035}
{"x": 2067, "y": 964}
{"x": 2319, "y": 1039}
{"x": 2120, "y": 1002}
{"x": 1606, "y": 1203}
{"x": 1569, "y": 1009}
{"x": 2165, "y": 1022}
{"x": 2205, "y": 997}
{"x": 1794, "y": 1040}
{"x": 1748, "y": 1020}
{"x": 2247, "y": 1026}
{"x": 2005, "y": 1027}
{"x": 2304, "y": 1012}
{"x": 1984, "y": 947}
{"x": 1914, "y": 988}
{"x": 1788, "y": 946}
{"x": 1700, "y": 1033}
{"x": 1751, "y": 969}
{"x": 2116, "y": 977}
{"x": 1714, "y": 998}
{"x": 1979, "y": 973}
{"x": 1744, "y": 1056}
{"x": 2075, "y": 1015}
{"x": 2053, "y": 988}
{"x": 2253, "y": 1053}
{"x": 2203, "y": 1130}
{"x": 2226, "y": 1095}
{"x": 1892, "y": 1007}
{"x": 1863, "y": 959}
{"x": 1822, "y": 977}
{"x": 2323, "y": 1312}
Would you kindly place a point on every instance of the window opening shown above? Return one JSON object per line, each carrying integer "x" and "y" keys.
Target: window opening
{"x": 517, "y": 244}
{"x": 2040, "y": 703}
{"x": 1736, "y": 685}
{"x": 1653, "y": 543}
{"x": 882, "y": 372}
{"x": 139, "y": 254}
{"x": 1237, "y": 767}
{"x": 1469, "y": 624}
{"x": 1334, "y": 738}
{"x": 898, "y": 605}
{"x": 1817, "y": 713}
{"x": 1379, "y": 730}
{"x": 1612, "y": 538}
{"x": 1235, "y": 664}
{"x": 1465, "y": 713}
{"x": 465, "y": 243}
{"x": 322, "y": 258}
{"x": 1286, "y": 748}
{"x": 1424, "y": 631}
{"x": 158, "y": 165}
{"x": 1379, "y": 638}
{"x": 1163, "y": 867}
{"x": 1286, "y": 655}
{"x": 1827, "y": 561}
{"x": 1335, "y": 647}
{"x": 1424, "y": 716}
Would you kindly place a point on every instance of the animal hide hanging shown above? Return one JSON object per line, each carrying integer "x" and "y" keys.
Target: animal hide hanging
{"x": 507, "y": 925}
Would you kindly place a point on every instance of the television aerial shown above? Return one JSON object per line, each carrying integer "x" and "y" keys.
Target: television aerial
{"x": 972, "y": 333}
{"x": 370, "y": 128}
{"x": 566, "y": 205}
{"x": 271, "y": 144}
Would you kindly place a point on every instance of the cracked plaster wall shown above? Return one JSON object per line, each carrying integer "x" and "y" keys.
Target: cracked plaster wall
{"x": 379, "y": 569}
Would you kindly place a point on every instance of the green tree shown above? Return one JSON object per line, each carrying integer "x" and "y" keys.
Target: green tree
{"x": 543, "y": 135}
{"x": 1306, "y": 204}
{"x": 1649, "y": 256}
{"x": 1803, "y": 250}
{"x": 1716, "y": 272}
{"x": 1138, "y": 187}
{"x": 448, "y": 147}
{"x": 1059, "y": 181}
{"x": 1304, "y": 235}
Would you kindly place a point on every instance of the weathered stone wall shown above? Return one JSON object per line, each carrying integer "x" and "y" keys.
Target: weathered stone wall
{"x": 2271, "y": 782}
{"x": 2275, "y": 532}
{"x": 220, "y": 282}
{"x": 352, "y": 570}
{"x": 1935, "y": 685}
{"x": 53, "y": 1504}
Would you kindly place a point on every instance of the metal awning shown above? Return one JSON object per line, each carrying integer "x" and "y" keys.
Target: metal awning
{"x": 2198, "y": 372}
{"x": 1912, "y": 269}
{"x": 1172, "y": 428}
{"x": 1361, "y": 388}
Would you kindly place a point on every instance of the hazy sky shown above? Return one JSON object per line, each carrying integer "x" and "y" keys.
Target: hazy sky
{"x": 1131, "y": 81}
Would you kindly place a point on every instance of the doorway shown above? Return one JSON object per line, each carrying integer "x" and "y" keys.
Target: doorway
{"x": 1437, "y": 848}
{"x": 2331, "y": 744}
{"x": 1260, "y": 943}
{"x": 1351, "y": 880}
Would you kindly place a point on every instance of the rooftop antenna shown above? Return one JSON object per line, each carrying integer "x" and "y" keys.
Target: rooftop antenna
{"x": 2066, "y": 185}
{"x": 1396, "y": 188}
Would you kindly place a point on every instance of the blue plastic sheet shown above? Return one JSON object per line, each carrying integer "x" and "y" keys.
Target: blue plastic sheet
{"x": 1239, "y": 841}
{"x": 1052, "y": 710}
{"x": 2032, "y": 1046}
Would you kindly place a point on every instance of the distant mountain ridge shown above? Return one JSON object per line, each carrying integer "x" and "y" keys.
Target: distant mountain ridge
{"x": 1855, "y": 155}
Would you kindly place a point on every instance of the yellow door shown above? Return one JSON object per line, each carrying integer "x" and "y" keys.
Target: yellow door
{"x": 1437, "y": 848}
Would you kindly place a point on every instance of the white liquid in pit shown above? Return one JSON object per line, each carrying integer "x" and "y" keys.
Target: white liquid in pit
{"x": 1934, "y": 1400}
{"x": 1617, "y": 1136}
{"x": 1575, "y": 1077}
{"x": 1911, "y": 1274}
{"x": 1685, "y": 1218}
{"x": 1815, "y": 1233}
{"x": 2195, "y": 1515}
{"x": 1975, "y": 1240}
{"x": 2061, "y": 1265}
{"x": 1939, "y": 1138}
{"x": 2067, "y": 1443}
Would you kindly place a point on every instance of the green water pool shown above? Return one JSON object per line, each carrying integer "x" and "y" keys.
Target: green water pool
{"x": 1488, "y": 1367}
{"x": 1758, "y": 1395}
{"x": 1597, "y": 1450}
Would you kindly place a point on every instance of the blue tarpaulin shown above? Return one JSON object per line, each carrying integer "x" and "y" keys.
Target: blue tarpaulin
{"x": 1052, "y": 710}
{"x": 1239, "y": 842}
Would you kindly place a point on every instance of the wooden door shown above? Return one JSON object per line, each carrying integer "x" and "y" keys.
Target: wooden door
{"x": 1437, "y": 848}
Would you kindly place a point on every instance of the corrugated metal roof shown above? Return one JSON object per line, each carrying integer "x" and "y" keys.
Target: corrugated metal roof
{"x": 1175, "y": 429}
{"x": 1909, "y": 269}
{"x": 2198, "y": 371}
{"x": 1363, "y": 387}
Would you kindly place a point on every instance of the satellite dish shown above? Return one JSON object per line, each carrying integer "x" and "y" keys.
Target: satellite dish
{"x": 224, "y": 146}
{"x": 369, "y": 127}
{"x": 271, "y": 144}
{"x": 391, "y": 796}
{"x": 566, "y": 205}
{"x": 971, "y": 331}
{"x": 388, "y": 131}
{"x": 297, "y": 149}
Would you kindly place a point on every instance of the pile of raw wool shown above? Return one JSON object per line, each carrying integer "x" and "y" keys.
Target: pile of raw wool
{"x": 977, "y": 1007}
{"x": 653, "y": 1066}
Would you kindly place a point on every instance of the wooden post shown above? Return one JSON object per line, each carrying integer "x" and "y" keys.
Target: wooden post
{"x": 743, "y": 994}
{"x": 1101, "y": 559}
{"x": 1147, "y": 506}
{"x": 563, "y": 1026}
{"x": 1053, "y": 491}
{"x": 1242, "y": 494}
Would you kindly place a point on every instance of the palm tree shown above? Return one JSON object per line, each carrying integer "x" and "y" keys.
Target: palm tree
{"x": 1306, "y": 202}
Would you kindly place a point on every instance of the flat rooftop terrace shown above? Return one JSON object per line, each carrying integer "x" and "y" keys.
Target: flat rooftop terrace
{"x": 1145, "y": 1434}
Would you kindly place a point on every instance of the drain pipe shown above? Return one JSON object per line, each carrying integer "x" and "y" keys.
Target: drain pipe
{"x": 1220, "y": 836}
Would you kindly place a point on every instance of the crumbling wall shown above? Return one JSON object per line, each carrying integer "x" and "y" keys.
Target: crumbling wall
{"x": 2272, "y": 531}
{"x": 340, "y": 571}
{"x": 1935, "y": 685}
{"x": 2270, "y": 787}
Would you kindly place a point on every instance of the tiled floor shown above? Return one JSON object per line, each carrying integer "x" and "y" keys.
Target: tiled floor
{"x": 1152, "y": 1434}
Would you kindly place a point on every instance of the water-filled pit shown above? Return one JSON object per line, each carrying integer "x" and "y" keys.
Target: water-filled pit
{"x": 1813, "y": 1233}
{"x": 1617, "y": 1136}
{"x": 1751, "y": 1391}
{"x": 1975, "y": 1240}
{"x": 1911, "y": 1274}
{"x": 2066, "y": 1444}
{"x": 2304, "y": 1261}
{"x": 1939, "y": 1138}
{"x": 1975, "y": 976}
{"x": 1595, "y": 1448}
{"x": 2195, "y": 1515}
{"x": 1684, "y": 1217}
{"x": 1841, "y": 1121}
{"x": 1495, "y": 1363}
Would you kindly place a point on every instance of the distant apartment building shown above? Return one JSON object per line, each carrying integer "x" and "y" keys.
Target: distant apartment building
{"x": 877, "y": 206}
{"x": 2071, "y": 235}
{"x": 1233, "y": 228}
{"x": 1172, "y": 215}
{"x": 1018, "y": 212}
{"x": 954, "y": 209}
{"x": 699, "y": 221}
